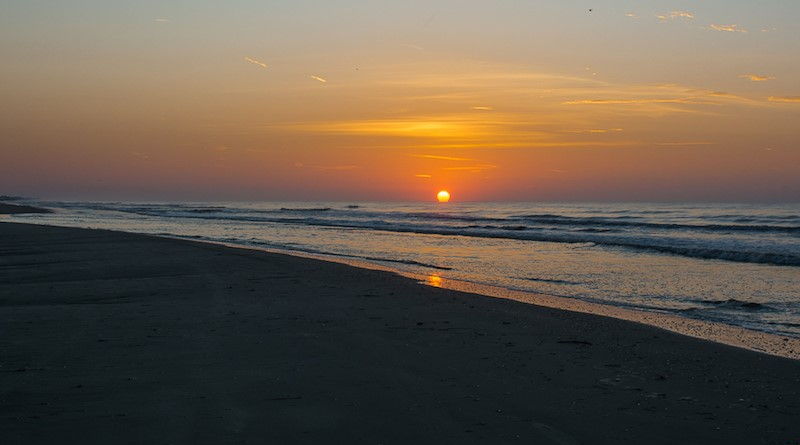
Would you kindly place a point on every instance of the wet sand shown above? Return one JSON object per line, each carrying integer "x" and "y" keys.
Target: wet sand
{"x": 119, "y": 338}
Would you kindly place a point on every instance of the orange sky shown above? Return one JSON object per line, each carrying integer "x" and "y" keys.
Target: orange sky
{"x": 373, "y": 100}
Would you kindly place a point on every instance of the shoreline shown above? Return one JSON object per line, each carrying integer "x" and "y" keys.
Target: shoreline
{"x": 750, "y": 339}
{"x": 18, "y": 209}
{"x": 729, "y": 335}
{"x": 127, "y": 338}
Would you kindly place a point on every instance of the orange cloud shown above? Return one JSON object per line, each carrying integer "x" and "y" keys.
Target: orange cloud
{"x": 676, "y": 15}
{"x": 472, "y": 168}
{"x": 756, "y": 77}
{"x": 790, "y": 99}
{"x": 726, "y": 28}
{"x": 682, "y": 144}
{"x": 627, "y": 101}
{"x": 597, "y": 130}
{"x": 444, "y": 158}
{"x": 335, "y": 167}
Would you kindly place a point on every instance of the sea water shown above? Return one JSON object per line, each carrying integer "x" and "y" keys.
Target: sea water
{"x": 732, "y": 264}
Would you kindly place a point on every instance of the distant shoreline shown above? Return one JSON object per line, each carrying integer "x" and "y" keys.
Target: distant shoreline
{"x": 15, "y": 209}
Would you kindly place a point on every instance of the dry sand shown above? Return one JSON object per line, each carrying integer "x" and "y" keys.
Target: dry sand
{"x": 114, "y": 338}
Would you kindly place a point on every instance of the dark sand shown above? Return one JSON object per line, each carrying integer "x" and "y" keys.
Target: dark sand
{"x": 113, "y": 338}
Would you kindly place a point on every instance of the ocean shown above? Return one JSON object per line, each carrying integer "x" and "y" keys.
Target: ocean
{"x": 733, "y": 264}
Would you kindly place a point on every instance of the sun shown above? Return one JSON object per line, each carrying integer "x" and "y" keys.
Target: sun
{"x": 443, "y": 196}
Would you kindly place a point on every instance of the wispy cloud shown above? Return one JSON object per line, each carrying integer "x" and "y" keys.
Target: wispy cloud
{"x": 162, "y": 20}
{"x": 597, "y": 130}
{"x": 789, "y": 99}
{"x": 627, "y": 101}
{"x": 255, "y": 62}
{"x": 335, "y": 167}
{"x": 683, "y": 144}
{"x": 562, "y": 111}
{"x": 412, "y": 46}
{"x": 444, "y": 158}
{"x": 685, "y": 15}
{"x": 471, "y": 168}
{"x": 482, "y": 108}
{"x": 726, "y": 28}
{"x": 424, "y": 176}
{"x": 756, "y": 77}
{"x": 632, "y": 15}
{"x": 319, "y": 79}
{"x": 665, "y": 95}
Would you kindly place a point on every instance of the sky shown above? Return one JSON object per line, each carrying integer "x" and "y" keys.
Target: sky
{"x": 503, "y": 100}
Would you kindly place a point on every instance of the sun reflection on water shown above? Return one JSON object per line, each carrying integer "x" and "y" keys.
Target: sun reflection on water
{"x": 434, "y": 280}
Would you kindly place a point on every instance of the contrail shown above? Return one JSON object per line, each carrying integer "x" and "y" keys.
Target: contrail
{"x": 319, "y": 79}
{"x": 261, "y": 64}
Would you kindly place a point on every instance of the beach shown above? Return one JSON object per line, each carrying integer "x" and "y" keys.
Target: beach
{"x": 112, "y": 337}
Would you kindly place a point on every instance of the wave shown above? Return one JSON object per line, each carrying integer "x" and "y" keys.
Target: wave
{"x": 306, "y": 210}
{"x": 511, "y": 222}
{"x": 549, "y": 281}
{"x": 729, "y": 304}
{"x": 733, "y": 303}
{"x": 632, "y": 222}
{"x": 628, "y": 233}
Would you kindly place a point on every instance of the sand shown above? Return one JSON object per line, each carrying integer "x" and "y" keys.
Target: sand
{"x": 127, "y": 339}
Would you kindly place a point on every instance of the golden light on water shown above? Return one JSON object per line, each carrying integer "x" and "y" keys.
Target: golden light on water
{"x": 443, "y": 196}
{"x": 434, "y": 280}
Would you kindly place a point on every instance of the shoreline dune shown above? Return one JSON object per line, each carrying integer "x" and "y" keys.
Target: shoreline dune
{"x": 111, "y": 337}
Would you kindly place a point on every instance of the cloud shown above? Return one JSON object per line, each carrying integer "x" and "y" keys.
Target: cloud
{"x": 726, "y": 28}
{"x": 412, "y": 46}
{"x": 471, "y": 168}
{"x": 627, "y": 101}
{"x": 255, "y": 62}
{"x": 319, "y": 79}
{"x": 424, "y": 176}
{"x": 789, "y": 99}
{"x": 335, "y": 167}
{"x": 482, "y": 108}
{"x": 598, "y": 130}
{"x": 558, "y": 110}
{"x": 676, "y": 15}
{"x": 683, "y": 144}
{"x": 632, "y": 15}
{"x": 162, "y": 20}
{"x": 756, "y": 77}
{"x": 444, "y": 158}
{"x": 670, "y": 94}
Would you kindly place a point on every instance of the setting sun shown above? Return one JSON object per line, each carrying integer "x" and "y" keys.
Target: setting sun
{"x": 443, "y": 196}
